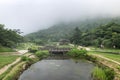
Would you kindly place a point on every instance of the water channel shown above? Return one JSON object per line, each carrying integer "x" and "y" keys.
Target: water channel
{"x": 58, "y": 70}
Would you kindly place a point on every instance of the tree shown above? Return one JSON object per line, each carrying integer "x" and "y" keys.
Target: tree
{"x": 116, "y": 40}
{"x": 8, "y": 37}
{"x": 76, "y": 37}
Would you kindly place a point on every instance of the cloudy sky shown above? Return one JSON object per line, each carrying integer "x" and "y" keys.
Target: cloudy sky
{"x": 32, "y": 15}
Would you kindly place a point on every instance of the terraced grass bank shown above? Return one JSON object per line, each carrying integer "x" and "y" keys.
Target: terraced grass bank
{"x": 115, "y": 57}
{"x": 15, "y": 71}
{"x": 7, "y": 59}
{"x": 109, "y": 60}
{"x": 6, "y": 49}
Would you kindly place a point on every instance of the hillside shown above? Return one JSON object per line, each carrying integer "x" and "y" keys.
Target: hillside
{"x": 107, "y": 35}
{"x": 64, "y": 30}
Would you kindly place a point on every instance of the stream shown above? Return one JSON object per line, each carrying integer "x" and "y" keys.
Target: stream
{"x": 58, "y": 70}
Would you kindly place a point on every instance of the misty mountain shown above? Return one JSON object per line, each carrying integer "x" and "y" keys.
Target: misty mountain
{"x": 64, "y": 30}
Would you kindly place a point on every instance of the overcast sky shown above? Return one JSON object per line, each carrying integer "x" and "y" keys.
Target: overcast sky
{"x": 32, "y": 15}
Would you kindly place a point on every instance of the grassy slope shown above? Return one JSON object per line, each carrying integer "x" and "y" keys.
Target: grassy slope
{"x": 5, "y": 49}
{"x": 108, "y": 55}
{"x": 25, "y": 45}
{"x": 105, "y": 50}
{"x": 7, "y": 59}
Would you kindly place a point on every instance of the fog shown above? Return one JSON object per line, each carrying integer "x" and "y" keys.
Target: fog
{"x": 33, "y": 15}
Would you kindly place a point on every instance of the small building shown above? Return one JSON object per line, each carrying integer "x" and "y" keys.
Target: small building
{"x": 64, "y": 42}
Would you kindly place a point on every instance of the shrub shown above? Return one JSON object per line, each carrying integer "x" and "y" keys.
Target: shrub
{"x": 98, "y": 74}
{"x": 103, "y": 74}
{"x": 33, "y": 49}
{"x": 109, "y": 73}
{"x": 25, "y": 58}
{"x": 42, "y": 54}
{"x": 76, "y": 53}
{"x": 118, "y": 67}
{"x": 91, "y": 58}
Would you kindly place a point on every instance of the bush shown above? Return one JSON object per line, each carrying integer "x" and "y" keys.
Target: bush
{"x": 118, "y": 67}
{"x": 76, "y": 53}
{"x": 109, "y": 73}
{"x": 25, "y": 58}
{"x": 33, "y": 49}
{"x": 91, "y": 58}
{"x": 103, "y": 74}
{"x": 99, "y": 74}
{"x": 42, "y": 54}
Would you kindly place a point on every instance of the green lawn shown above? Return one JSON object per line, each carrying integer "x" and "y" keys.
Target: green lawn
{"x": 108, "y": 55}
{"x": 6, "y": 59}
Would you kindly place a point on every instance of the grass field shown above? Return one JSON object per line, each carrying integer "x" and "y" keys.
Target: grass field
{"x": 115, "y": 57}
{"x": 5, "y": 49}
{"x": 105, "y": 50}
{"x": 7, "y": 59}
{"x": 6, "y": 56}
{"x": 25, "y": 45}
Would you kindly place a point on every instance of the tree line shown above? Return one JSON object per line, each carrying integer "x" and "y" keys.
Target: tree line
{"x": 99, "y": 32}
{"x": 64, "y": 30}
{"x": 103, "y": 36}
{"x": 9, "y": 37}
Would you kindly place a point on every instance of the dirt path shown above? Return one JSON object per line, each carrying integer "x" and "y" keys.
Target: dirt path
{"x": 5, "y": 68}
{"x": 107, "y": 58}
{"x": 2, "y": 70}
{"x": 110, "y": 63}
{"x": 21, "y": 52}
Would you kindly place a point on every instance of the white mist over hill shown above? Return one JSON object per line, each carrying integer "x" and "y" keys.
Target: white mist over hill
{"x": 33, "y": 15}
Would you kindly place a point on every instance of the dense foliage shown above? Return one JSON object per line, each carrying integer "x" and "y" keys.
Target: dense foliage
{"x": 8, "y": 37}
{"x": 76, "y": 36}
{"x": 33, "y": 49}
{"x": 42, "y": 54}
{"x": 76, "y": 53}
{"x": 99, "y": 32}
{"x": 103, "y": 36}
{"x": 25, "y": 58}
{"x": 65, "y": 30}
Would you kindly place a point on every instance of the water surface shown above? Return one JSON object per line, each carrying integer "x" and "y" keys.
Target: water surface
{"x": 58, "y": 70}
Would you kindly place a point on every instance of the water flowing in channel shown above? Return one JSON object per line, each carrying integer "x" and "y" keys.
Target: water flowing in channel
{"x": 58, "y": 70}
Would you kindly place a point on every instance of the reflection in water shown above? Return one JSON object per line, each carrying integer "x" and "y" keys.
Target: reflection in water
{"x": 58, "y": 70}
